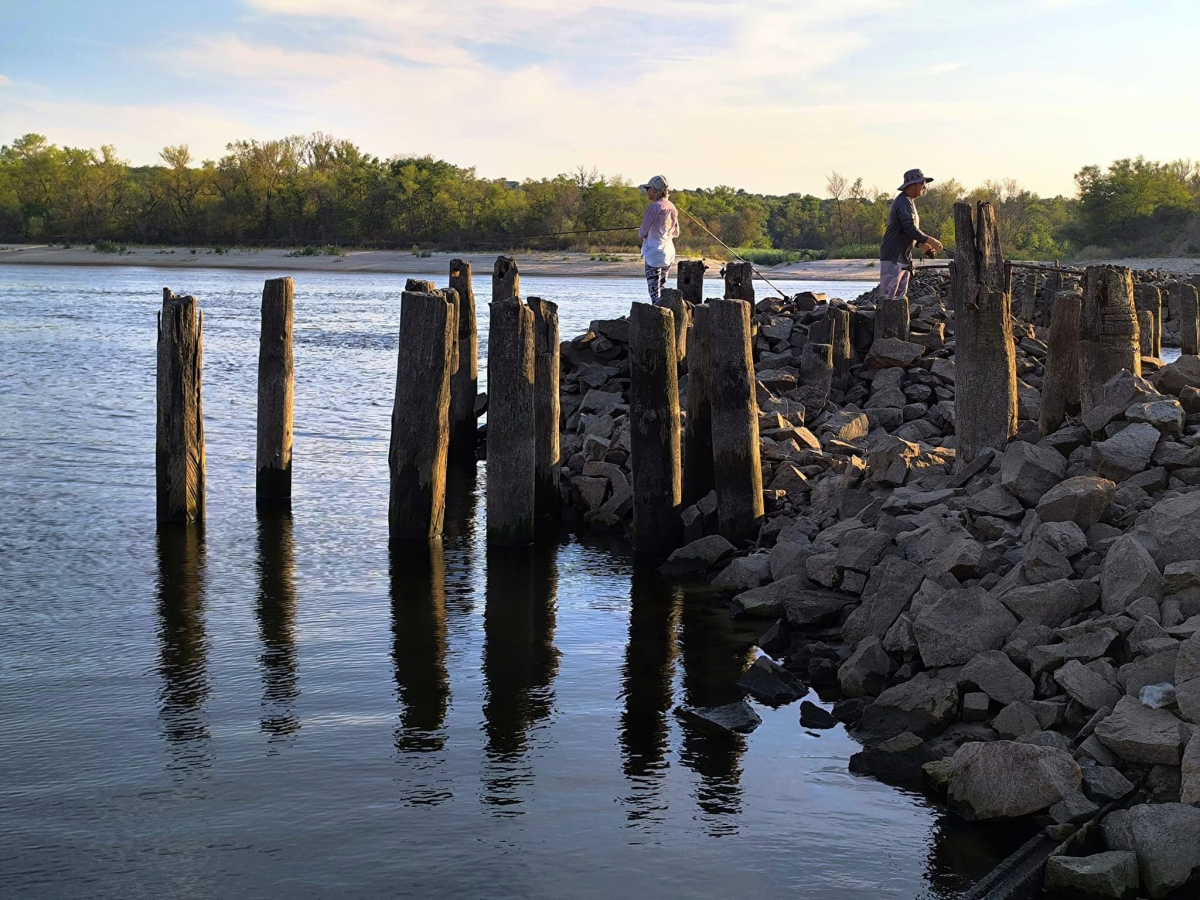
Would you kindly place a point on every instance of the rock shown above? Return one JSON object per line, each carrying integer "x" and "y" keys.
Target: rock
{"x": 744, "y": 573}
{"x": 994, "y": 501}
{"x": 1182, "y": 373}
{"x": 1082, "y": 500}
{"x": 1086, "y": 687}
{"x": 861, "y": 549}
{"x": 994, "y": 673}
{"x": 960, "y": 625}
{"x": 1157, "y": 668}
{"x": 1005, "y": 779}
{"x": 975, "y": 706}
{"x": 1141, "y": 735}
{"x": 693, "y": 558}
{"x": 1189, "y": 788}
{"x": 1118, "y": 393}
{"x": 591, "y": 490}
{"x": 812, "y": 607}
{"x": 768, "y": 601}
{"x": 1187, "y": 695}
{"x": 899, "y": 639}
{"x": 1015, "y": 721}
{"x": 822, "y": 568}
{"x": 1112, "y": 874}
{"x": 1129, "y": 572}
{"x": 788, "y": 558}
{"x": 1165, "y": 838}
{"x": 737, "y": 717}
{"x": 1050, "y": 603}
{"x": 1173, "y": 528}
{"x": 964, "y": 558}
{"x": 865, "y": 672}
{"x": 812, "y": 716}
{"x": 888, "y": 593}
{"x": 771, "y": 683}
{"x": 1104, "y": 783}
{"x": 889, "y": 352}
{"x": 1187, "y": 666}
{"x": 1073, "y": 810}
{"x": 898, "y": 759}
{"x": 1044, "y": 562}
{"x": 1028, "y": 471}
{"x": 924, "y": 706}
{"x": 1126, "y": 453}
{"x": 1164, "y": 413}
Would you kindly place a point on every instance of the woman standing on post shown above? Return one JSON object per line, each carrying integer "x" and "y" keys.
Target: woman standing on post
{"x": 660, "y": 227}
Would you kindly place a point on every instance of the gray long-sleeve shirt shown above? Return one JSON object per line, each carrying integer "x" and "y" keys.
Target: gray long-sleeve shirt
{"x": 903, "y": 231}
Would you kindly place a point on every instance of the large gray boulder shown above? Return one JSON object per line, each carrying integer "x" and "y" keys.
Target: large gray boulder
{"x": 1129, "y": 572}
{"x": 994, "y": 673}
{"x": 1105, "y": 875}
{"x": 865, "y": 672}
{"x": 1086, "y": 687}
{"x": 695, "y": 557}
{"x": 1182, "y": 373}
{"x": 814, "y": 607}
{"x": 768, "y": 601}
{"x": 1005, "y": 779}
{"x": 1028, "y": 471}
{"x": 1127, "y": 452}
{"x": 1082, "y": 500}
{"x": 744, "y": 573}
{"x": 960, "y": 625}
{"x": 1051, "y": 603}
{"x": 1138, "y": 734}
{"x": 924, "y": 706}
{"x": 1164, "y": 836}
{"x": 1117, "y": 394}
{"x": 1172, "y": 528}
{"x": 1156, "y": 668}
{"x": 889, "y": 590}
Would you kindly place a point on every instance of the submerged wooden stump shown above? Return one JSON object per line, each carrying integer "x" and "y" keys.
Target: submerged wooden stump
{"x": 1060, "y": 387}
{"x": 179, "y": 432}
{"x": 1109, "y": 339}
{"x": 985, "y": 396}
{"x": 546, "y": 412}
{"x": 1149, "y": 299}
{"x": 736, "y": 454}
{"x": 654, "y": 429}
{"x": 464, "y": 381}
{"x": 689, "y": 279}
{"x": 506, "y": 280}
{"x": 276, "y": 390}
{"x": 739, "y": 281}
{"x": 420, "y": 442}
{"x": 697, "y": 433}
{"x": 511, "y": 448}
{"x": 1189, "y": 320}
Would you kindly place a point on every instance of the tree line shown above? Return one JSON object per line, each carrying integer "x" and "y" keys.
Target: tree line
{"x": 322, "y": 191}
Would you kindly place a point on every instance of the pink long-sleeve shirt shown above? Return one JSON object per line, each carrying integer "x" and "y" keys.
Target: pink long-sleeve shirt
{"x": 660, "y": 227}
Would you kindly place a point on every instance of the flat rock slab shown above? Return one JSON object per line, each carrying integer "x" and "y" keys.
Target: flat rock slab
{"x": 1141, "y": 735}
{"x": 994, "y": 674}
{"x": 1106, "y": 875}
{"x": 737, "y": 717}
{"x": 693, "y": 558}
{"x": 960, "y": 625}
{"x": 924, "y": 706}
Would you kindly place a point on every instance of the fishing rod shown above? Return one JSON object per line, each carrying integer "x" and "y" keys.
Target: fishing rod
{"x": 734, "y": 254}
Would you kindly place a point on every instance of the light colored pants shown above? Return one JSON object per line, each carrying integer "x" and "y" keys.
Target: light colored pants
{"x": 893, "y": 278}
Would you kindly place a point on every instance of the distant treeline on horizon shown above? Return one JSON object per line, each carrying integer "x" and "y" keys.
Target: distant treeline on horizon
{"x": 319, "y": 191}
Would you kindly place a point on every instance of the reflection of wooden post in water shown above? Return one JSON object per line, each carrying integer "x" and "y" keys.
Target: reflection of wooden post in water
{"x": 546, "y": 411}
{"x": 511, "y": 451}
{"x": 417, "y": 579}
{"x": 464, "y": 383}
{"x": 179, "y": 438}
{"x": 697, "y": 432}
{"x": 276, "y": 613}
{"x": 183, "y": 645}
{"x": 646, "y": 677}
{"x": 276, "y": 387}
{"x": 519, "y": 661}
{"x": 421, "y": 416}
{"x": 689, "y": 280}
{"x": 654, "y": 429}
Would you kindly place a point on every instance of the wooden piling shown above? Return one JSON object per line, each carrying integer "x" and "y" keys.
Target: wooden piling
{"x": 834, "y": 329}
{"x": 511, "y": 452}
{"x": 464, "y": 382}
{"x": 673, "y": 300}
{"x": 1146, "y": 332}
{"x": 1028, "y": 297}
{"x": 697, "y": 432}
{"x": 546, "y": 412}
{"x": 1149, "y": 299}
{"x": 736, "y": 452}
{"x": 985, "y": 397}
{"x": 689, "y": 279}
{"x": 420, "y": 442}
{"x": 892, "y": 318}
{"x": 1108, "y": 331}
{"x": 506, "y": 280}
{"x": 1189, "y": 320}
{"x": 654, "y": 429}
{"x": 179, "y": 435}
{"x": 419, "y": 286}
{"x": 276, "y": 390}
{"x": 816, "y": 367}
{"x": 739, "y": 281}
{"x": 1060, "y": 387}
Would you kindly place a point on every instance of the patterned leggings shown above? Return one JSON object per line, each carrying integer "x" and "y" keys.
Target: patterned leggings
{"x": 656, "y": 280}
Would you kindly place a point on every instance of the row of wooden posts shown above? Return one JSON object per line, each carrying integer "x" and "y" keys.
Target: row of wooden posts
{"x": 434, "y": 419}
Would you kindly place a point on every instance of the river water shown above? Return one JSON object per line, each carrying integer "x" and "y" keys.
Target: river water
{"x": 281, "y": 707}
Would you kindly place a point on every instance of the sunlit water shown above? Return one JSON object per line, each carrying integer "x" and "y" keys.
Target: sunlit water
{"x": 279, "y": 707}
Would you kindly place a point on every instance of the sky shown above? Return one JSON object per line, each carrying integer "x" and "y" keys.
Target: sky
{"x": 770, "y": 96}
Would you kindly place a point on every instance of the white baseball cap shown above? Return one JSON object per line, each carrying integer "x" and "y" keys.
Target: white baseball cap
{"x": 658, "y": 183}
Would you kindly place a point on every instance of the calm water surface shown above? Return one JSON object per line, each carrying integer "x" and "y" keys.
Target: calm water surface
{"x": 281, "y": 707}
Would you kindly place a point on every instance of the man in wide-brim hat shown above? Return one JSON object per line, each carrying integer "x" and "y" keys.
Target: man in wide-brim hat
{"x": 902, "y": 234}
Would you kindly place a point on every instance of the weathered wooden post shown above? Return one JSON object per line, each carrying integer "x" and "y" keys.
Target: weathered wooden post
{"x": 834, "y": 329}
{"x": 1108, "y": 331}
{"x": 892, "y": 318}
{"x": 736, "y": 452}
{"x": 654, "y": 429}
{"x": 547, "y": 502}
{"x": 276, "y": 389}
{"x": 506, "y": 280}
{"x": 673, "y": 300}
{"x": 1149, "y": 299}
{"x": 419, "y": 286}
{"x": 1060, "y": 388}
{"x": 511, "y": 435}
{"x": 739, "y": 281}
{"x": 689, "y": 279}
{"x": 1173, "y": 296}
{"x": 985, "y": 396}
{"x": 816, "y": 367}
{"x": 1028, "y": 297}
{"x": 420, "y": 441}
{"x": 179, "y": 435}
{"x": 1189, "y": 326}
{"x": 464, "y": 382}
{"x": 1145, "y": 332}
{"x": 697, "y": 433}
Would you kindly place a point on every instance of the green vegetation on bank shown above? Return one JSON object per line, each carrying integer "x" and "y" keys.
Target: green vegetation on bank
{"x": 322, "y": 194}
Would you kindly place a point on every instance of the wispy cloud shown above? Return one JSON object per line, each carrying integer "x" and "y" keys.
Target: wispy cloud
{"x": 5, "y": 81}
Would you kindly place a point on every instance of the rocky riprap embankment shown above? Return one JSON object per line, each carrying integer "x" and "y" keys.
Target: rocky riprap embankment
{"x": 1024, "y": 634}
